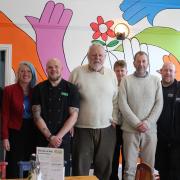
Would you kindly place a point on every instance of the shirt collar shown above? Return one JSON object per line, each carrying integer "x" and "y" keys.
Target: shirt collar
{"x": 146, "y": 74}
{"x": 101, "y": 71}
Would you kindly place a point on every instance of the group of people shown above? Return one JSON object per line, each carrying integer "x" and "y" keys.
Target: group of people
{"x": 93, "y": 115}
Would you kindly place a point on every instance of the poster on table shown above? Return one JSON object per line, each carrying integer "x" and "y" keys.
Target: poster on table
{"x": 51, "y": 163}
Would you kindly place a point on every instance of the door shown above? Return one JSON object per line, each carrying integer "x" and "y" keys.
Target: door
{"x": 5, "y": 76}
{"x": 2, "y": 79}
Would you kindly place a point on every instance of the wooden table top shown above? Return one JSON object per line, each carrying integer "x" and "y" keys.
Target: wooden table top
{"x": 72, "y": 178}
{"x": 81, "y": 178}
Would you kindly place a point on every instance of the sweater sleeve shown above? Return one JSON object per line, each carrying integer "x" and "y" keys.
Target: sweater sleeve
{"x": 115, "y": 102}
{"x": 128, "y": 114}
{"x": 157, "y": 108}
{"x": 73, "y": 77}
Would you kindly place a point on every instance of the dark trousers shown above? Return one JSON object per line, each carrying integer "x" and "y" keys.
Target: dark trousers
{"x": 118, "y": 149}
{"x": 21, "y": 147}
{"x": 66, "y": 145}
{"x": 167, "y": 160}
{"x": 93, "y": 146}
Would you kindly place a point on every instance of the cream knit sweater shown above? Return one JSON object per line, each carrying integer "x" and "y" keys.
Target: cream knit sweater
{"x": 140, "y": 99}
{"x": 98, "y": 97}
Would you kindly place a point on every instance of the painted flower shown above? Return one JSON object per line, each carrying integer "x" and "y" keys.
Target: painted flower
{"x": 102, "y": 29}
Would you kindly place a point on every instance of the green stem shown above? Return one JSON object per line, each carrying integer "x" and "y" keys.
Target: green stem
{"x": 108, "y": 56}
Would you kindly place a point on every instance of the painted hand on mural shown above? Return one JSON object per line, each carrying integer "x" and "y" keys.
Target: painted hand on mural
{"x": 50, "y": 29}
{"x": 136, "y": 10}
{"x": 131, "y": 47}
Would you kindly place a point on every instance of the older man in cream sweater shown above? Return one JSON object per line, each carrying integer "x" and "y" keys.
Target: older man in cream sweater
{"x": 94, "y": 136}
{"x": 141, "y": 102}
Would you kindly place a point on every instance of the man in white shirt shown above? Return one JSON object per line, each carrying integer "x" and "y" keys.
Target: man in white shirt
{"x": 94, "y": 135}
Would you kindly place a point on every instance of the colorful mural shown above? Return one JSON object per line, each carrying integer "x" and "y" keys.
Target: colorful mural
{"x": 23, "y": 46}
{"x": 39, "y": 30}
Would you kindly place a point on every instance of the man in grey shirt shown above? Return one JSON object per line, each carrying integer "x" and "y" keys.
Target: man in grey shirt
{"x": 141, "y": 102}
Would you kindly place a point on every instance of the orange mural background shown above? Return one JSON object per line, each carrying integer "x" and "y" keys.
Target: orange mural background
{"x": 23, "y": 46}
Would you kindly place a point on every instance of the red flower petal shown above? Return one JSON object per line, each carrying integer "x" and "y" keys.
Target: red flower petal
{"x": 109, "y": 23}
{"x": 100, "y": 20}
{"x": 94, "y": 26}
{"x": 104, "y": 36}
{"x": 110, "y": 33}
{"x": 96, "y": 35}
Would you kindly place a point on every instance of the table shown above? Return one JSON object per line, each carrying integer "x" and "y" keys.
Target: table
{"x": 72, "y": 178}
{"x": 81, "y": 178}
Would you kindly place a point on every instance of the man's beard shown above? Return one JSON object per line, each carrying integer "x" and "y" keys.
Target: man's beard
{"x": 167, "y": 82}
{"x": 54, "y": 79}
{"x": 96, "y": 66}
{"x": 141, "y": 70}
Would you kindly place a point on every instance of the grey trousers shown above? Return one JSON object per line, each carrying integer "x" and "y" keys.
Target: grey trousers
{"x": 132, "y": 143}
{"x": 93, "y": 146}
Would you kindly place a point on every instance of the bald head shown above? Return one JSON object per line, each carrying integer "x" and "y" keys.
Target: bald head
{"x": 54, "y": 69}
{"x": 169, "y": 65}
{"x": 168, "y": 73}
{"x": 53, "y": 61}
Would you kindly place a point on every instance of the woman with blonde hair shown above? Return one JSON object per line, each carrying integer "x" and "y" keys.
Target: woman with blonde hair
{"x": 17, "y": 123}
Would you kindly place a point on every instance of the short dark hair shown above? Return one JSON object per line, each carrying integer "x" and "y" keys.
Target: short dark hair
{"x": 140, "y": 53}
{"x": 120, "y": 63}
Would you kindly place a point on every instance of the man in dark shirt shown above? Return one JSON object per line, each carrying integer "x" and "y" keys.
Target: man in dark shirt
{"x": 55, "y": 106}
{"x": 168, "y": 126}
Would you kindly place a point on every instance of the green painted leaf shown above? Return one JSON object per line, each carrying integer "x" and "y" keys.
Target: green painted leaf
{"x": 119, "y": 48}
{"x": 98, "y": 42}
{"x": 113, "y": 43}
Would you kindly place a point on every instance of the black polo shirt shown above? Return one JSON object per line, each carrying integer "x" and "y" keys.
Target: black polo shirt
{"x": 55, "y": 102}
{"x": 168, "y": 124}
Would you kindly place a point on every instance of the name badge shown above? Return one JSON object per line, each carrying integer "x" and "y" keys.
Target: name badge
{"x": 64, "y": 93}
{"x": 177, "y": 99}
{"x": 170, "y": 95}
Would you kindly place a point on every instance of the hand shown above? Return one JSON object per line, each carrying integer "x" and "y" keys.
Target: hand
{"x": 134, "y": 11}
{"x": 50, "y": 30}
{"x": 55, "y": 141}
{"x": 6, "y": 144}
{"x": 72, "y": 132}
{"x": 113, "y": 124}
{"x": 142, "y": 127}
{"x": 131, "y": 47}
